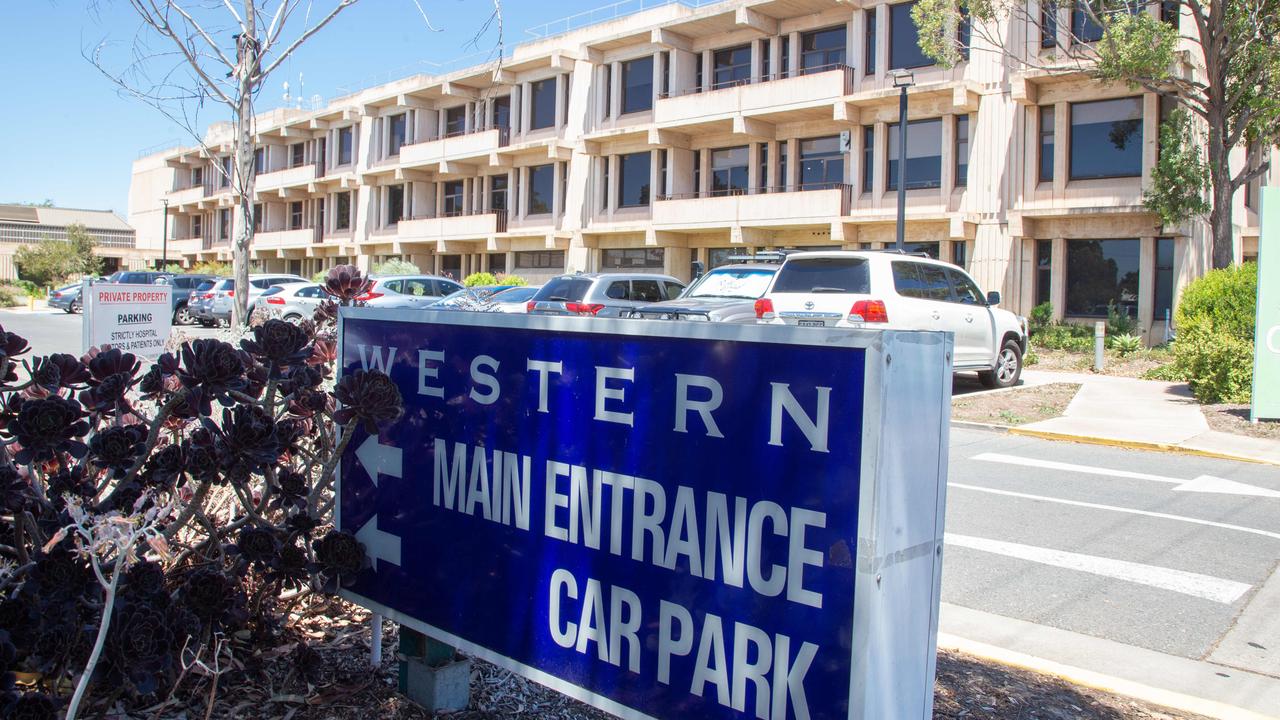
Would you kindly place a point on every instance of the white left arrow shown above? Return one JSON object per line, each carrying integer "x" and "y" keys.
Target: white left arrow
{"x": 379, "y": 459}
{"x": 380, "y": 545}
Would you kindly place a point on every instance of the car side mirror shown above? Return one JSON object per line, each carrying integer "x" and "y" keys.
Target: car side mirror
{"x": 993, "y": 298}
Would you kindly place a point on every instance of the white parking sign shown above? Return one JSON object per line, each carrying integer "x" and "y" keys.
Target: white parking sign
{"x": 133, "y": 318}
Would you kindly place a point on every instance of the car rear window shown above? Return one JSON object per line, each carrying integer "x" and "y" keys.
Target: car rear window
{"x": 571, "y": 289}
{"x": 824, "y": 274}
{"x": 205, "y": 286}
{"x": 226, "y": 284}
{"x": 274, "y": 290}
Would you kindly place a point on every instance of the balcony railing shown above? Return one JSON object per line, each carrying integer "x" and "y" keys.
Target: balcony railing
{"x": 500, "y": 216}
{"x": 846, "y": 193}
{"x": 772, "y": 77}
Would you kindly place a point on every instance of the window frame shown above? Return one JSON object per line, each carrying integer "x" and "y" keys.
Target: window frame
{"x": 1138, "y": 141}
{"x": 826, "y": 158}
{"x": 532, "y": 189}
{"x": 728, "y": 171}
{"x": 1046, "y": 154}
{"x": 1073, "y": 284}
{"x": 645, "y": 191}
{"x": 732, "y": 68}
{"x": 891, "y": 155}
{"x": 536, "y": 88}
{"x": 637, "y": 97}
{"x": 923, "y": 59}
{"x": 832, "y": 58}
{"x": 962, "y": 144}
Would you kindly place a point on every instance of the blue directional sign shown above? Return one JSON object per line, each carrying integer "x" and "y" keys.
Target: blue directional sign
{"x": 658, "y": 518}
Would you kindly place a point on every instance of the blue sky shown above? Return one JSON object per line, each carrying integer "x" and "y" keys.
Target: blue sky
{"x": 66, "y": 135}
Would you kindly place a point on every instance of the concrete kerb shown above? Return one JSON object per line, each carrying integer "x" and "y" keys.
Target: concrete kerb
{"x": 1133, "y": 445}
{"x": 1099, "y": 681}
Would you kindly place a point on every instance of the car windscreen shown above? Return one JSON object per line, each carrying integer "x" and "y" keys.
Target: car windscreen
{"x": 747, "y": 284}
{"x": 564, "y": 289}
{"x": 205, "y": 286}
{"x": 824, "y": 275}
{"x": 514, "y": 295}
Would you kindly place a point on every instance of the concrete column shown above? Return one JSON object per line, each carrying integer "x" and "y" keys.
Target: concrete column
{"x": 557, "y": 173}
{"x": 611, "y": 188}
{"x": 948, "y": 154}
{"x": 881, "y": 160}
{"x": 1061, "y": 139}
{"x": 524, "y": 106}
{"x": 681, "y": 171}
{"x": 882, "y": 42}
{"x": 1058, "y": 278}
{"x": 562, "y": 87}
{"x": 794, "y": 64}
{"x": 676, "y": 261}
{"x": 753, "y": 165}
{"x": 1150, "y": 135}
{"x": 857, "y": 60}
{"x": 757, "y": 57}
{"x": 1146, "y": 284}
{"x": 682, "y": 71}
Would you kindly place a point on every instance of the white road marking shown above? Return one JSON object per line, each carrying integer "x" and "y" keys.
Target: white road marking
{"x": 1201, "y": 484}
{"x": 1179, "y": 581}
{"x": 1114, "y": 508}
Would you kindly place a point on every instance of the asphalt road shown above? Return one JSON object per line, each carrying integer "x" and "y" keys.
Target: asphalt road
{"x": 1095, "y": 540}
{"x": 1108, "y": 542}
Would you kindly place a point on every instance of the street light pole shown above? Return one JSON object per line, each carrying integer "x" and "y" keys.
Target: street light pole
{"x": 164, "y": 244}
{"x": 902, "y": 80}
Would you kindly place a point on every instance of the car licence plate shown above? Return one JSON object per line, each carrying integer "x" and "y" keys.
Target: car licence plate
{"x": 811, "y": 323}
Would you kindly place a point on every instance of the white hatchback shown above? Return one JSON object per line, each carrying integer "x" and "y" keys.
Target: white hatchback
{"x": 894, "y": 290}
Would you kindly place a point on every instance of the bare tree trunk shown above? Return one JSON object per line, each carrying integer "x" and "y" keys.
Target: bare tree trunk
{"x": 244, "y": 150}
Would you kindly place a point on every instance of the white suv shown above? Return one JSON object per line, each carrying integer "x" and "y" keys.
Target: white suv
{"x": 893, "y": 290}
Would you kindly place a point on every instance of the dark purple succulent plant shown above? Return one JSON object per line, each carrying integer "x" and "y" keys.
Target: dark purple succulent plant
{"x": 117, "y": 448}
{"x": 346, "y": 283}
{"x": 369, "y": 397}
{"x": 278, "y": 343}
{"x": 45, "y": 427}
{"x": 59, "y": 370}
{"x": 340, "y": 556}
{"x": 210, "y": 370}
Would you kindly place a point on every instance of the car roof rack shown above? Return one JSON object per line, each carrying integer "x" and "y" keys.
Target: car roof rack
{"x": 764, "y": 256}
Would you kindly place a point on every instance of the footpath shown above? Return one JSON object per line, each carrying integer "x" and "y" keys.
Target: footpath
{"x": 1143, "y": 414}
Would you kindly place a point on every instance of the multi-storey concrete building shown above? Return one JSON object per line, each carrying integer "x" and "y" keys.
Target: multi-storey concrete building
{"x": 697, "y": 130}
{"x": 24, "y": 225}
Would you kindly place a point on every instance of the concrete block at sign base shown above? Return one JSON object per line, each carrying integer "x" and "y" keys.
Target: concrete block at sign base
{"x": 442, "y": 688}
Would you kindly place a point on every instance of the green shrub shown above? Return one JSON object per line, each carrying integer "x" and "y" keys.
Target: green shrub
{"x": 1215, "y": 322}
{"x": 510, "y": 280}
{"x": 1041, "y": 315}
{"x": 479, "y": 279}
{"x": 1119, "y": 323}
{"x": 319, "y": 277}
{"x": 395, "y": 267}
{"x": 1078, "y": 338}
{"x": 7, "y": 298}
{"x": 1030, "y": 358}
{"x": 1125, "y": 345}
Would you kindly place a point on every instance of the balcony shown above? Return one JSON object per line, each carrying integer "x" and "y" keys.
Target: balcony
{"x": 276, "y": 239}
{"x": 464, "y": 225}
{"x": 186, "y": 195}
{"x": 773, "y": 206}
{"x": 476, "y": 144}
{"x": 760, "y": 97}
{"x": 289, "y": 177}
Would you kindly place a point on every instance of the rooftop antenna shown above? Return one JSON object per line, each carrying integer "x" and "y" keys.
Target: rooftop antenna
{"x": 286, "y": 93}
{"x": 300, "y": 94}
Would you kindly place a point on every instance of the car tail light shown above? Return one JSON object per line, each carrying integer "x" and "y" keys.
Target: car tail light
{"x": 55, "y": 295}
{"x": 764, "y": 309}
{"x": 275, "y": 300}
{"x": 529, "y": 306}
{"x": 369, "y": 296}
{"x": 230, "y": 293}
{"x": 583, "y": 308}
{"x": 870, "y": 311}
{"x": 207, "y": 296}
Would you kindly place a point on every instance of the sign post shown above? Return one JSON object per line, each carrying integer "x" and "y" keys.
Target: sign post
{"x": 663, "y": 520}
{"x": 1266, "y": 343}
{"x": 132, "y": 318}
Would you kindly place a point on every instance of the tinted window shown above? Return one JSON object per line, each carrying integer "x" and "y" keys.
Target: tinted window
{"x": 542, "y": 111}
{"x": 637, "y": 85}
{"x": 540, "y": 259}
{"x": 417, "y": 287}
{"x": 904, "y": 39}
{"x": 966, "y": 291}
{"x": 906, "y": 280}
{"x": 924, "y": 155}
{"x": 933, "y": 282}
{"x": 822, "y": 49}
{"x": 1101, "y": 273}
{"x": 732, "y": 66}
{"x": 205, "y": 286}
{"x": 1044, "y": 270}
{"x": 392, "y": 285}
{"x": 646, "y": 291}
{"x": 1164, "y": 279}
{"x": 272, "y": 291}
{"x": 830, "y": 274}
{"x": 444, "y": 287}
{"x": 633, "y": 180}
{"x": 729, "y": 170}
{"x": 226, "y": 284}
{"x": 312, "y": 291}
{"x": 673, "y": 289}
{"x": 260, "y": 283}
{"x": 1046, "y": 143}
{"x": 1106, "y": 139}
{"x": 455, "y": 120}
{"x": 617, "y": 290}
{"x": 542, "y": 181}
{"x": 821, "y": 163}
{"x": 962, "y": 150}
{"x": 396, "y": 134}
{"x": 564, "y": 288}
{"x": 632, "y": 258}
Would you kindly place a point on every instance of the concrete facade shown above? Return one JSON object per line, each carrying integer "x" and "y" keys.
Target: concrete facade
{"x": 533, "y": 165}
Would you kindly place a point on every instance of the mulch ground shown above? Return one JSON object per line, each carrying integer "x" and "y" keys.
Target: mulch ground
{"x": 334, "y": 682}
{"x": 1015, "y": 407}
{"x": 1135, "y": 365}
{"x": 1235, "y": 419}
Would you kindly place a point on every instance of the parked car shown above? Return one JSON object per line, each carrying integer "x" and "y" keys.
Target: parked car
{"x": 477, "y": 297}
{"x": 66, "y": 298}
{"x": 895, "y": 290}
{"x": 514, "y": 299}
{"x": 137, "y": 277}
{"x": 602, "y": 294}
{"x": 183, "y": 286}
{"x": 726, "y": 294}
{"x": 224, "y": 291}
{"x": 293, "y": 301}
{"x": 389, "y": 290}
{"x": 200, "y": 302}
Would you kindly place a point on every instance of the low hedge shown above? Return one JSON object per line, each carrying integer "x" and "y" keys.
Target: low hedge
{"x": 1215, "y": 323}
